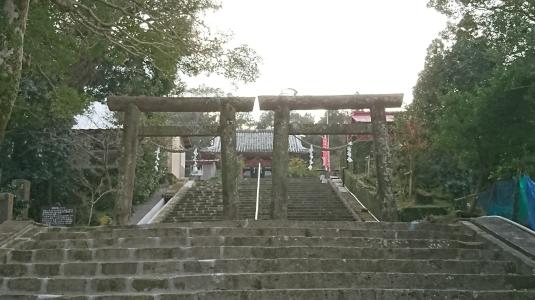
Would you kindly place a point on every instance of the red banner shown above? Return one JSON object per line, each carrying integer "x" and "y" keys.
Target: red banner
{"x": 326, "y": 155}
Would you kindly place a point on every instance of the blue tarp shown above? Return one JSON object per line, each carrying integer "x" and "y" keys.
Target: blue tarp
{"x": 498, "y": 200}
{"x": 512, "y": 199}
{"x": 530, "y": 195}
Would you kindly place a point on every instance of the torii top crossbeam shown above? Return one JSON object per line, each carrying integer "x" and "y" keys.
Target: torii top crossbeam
{"x": 179, "y": 104}
{"x": 331, "y": 102}
{"x": 243, "y": 104}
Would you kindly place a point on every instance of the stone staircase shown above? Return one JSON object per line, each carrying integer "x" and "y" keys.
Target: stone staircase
{"x": 308, "y": 200}
{"x": 261, "y": 260}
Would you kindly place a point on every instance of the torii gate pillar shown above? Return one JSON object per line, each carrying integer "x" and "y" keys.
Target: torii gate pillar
{"x": 229, "y": 161}
{"x": 281, "y": 158}
{"x": 383, "y": 163}
{"x": 127, "y": 170}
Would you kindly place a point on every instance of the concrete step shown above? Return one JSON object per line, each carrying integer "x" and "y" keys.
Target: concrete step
{"x": 220, "y": 252}
{"x": 176, "y": 267}
{"x": 309, "y": 294}
{"x": 278, "y": 224}
{"x": 308, "y": 201}
{"x": 398, "y": 234}
{"x": 147, "y": 242}
{"x": 262, "y": 260}
{"x": 253, "y": 231}
{"x": 323, "y": 218}
{"x": 265, "y": 281}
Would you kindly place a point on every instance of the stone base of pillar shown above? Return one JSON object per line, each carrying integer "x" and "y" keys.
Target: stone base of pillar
{"x": 6, "y": 207}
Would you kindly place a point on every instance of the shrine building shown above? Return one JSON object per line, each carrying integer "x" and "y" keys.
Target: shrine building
{"x": 253, "y": 147}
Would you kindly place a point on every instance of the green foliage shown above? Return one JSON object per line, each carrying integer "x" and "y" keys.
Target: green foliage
{"x": 298, "y": 168}
{"x": 67, "y": 102}
{"x": 474, "y": 100}
{"x": 98, "y": 48}
{"x": 148, "y": 177}
{"x": 266, "y": 120}
{"x": 77, "y": 52}
{"x": 360, "y": 151}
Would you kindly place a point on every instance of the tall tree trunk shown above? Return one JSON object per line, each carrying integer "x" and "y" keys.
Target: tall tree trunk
{"x": 13, "y": 16}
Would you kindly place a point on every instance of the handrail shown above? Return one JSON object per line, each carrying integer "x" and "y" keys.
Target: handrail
{"x": 258, "y": 191}
{"x": 153, "y": 212}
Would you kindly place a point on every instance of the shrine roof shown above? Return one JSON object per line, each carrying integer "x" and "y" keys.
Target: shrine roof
{"x": 256, "y": 141}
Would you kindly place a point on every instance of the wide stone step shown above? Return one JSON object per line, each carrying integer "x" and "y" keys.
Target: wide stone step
{"x": 221, "y": 252}
{"x": 191, "y": 219}
{"x": 319, "y": 215}
{"x": 308, "y": 200}
{"x": 317, "y": 211}
{"x": 148, "y": 242}
{"x": 175, "y": 267}
{"x": 309, "y": 294}
{"x": 413, "y": 226}
{"x": 262, "y": 260}
{"x": 327, "y": 218}
{"x": 321, "y": 218}
{"x": 250, "y": 231}
{"x": 363, "y": 294}
{"x": 263, "y": 281}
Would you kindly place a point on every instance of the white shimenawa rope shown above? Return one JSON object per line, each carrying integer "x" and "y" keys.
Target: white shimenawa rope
{"x": 181, "y": 150}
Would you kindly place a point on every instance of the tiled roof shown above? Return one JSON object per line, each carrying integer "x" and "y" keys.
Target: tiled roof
{"x": 256, "y": 141}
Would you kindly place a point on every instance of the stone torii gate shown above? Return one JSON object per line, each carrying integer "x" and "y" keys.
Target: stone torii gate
{"x": 133, "y": 106}
{"x": 282, "y": 105}
{"x": 228, "y": 106}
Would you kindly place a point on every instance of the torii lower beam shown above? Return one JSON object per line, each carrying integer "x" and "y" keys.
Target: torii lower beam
{"x": 305, "y": 129}
{"x": 334, "y": 129}
{"x": 162, "y": 131}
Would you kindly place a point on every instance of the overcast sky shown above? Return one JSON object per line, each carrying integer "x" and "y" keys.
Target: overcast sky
{"x": 330, "y": 47}
{"x": 325, "y": 47}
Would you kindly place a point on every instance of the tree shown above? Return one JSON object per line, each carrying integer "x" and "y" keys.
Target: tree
{"x": 507, "y": 23}
{"x": 266, "y": 120}
{"x": 475, "y": 96}
{"x": 79, "y": 51}
{"x": 108, "y": 37}
{"x": 409, "y": 134}
{"x": 95, "y": 160}
{"x": 13, "y": 18}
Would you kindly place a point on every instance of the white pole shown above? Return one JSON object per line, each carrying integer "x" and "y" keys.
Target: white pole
{"x": 258, "y": 191}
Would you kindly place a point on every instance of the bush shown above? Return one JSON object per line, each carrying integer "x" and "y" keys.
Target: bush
{"x": 298, "y": 168}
